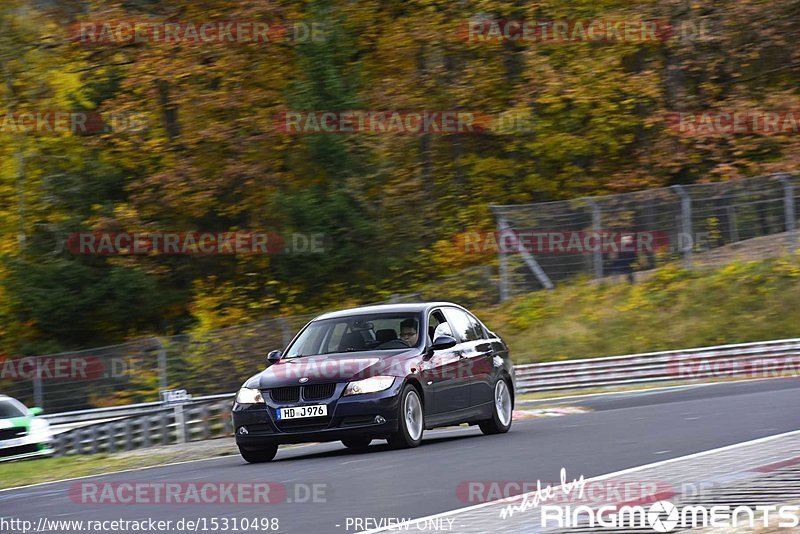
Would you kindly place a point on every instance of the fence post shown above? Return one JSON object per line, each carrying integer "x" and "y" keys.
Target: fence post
{"x": 162, "y": 365}
{"x": 38, "y": 397}
{"x": 503, "y": 262}
{"x": 788, "y": 204}
{"x": 533, "y": 265}
{"x": 686, "y": 225}
{"x": 597, "y": 228}
{"x": 733, "y": 230}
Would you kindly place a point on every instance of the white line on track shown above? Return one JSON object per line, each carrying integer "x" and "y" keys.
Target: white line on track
{"x": 619, "y": 393}
{"x": 407, "y": 524}
{"x": 643, "y": 391}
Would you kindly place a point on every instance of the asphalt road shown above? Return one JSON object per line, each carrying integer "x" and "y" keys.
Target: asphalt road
{"x": 623, "y": 431}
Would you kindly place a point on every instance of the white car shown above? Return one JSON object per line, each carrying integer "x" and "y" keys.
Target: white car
{"x": 22, "y": 433}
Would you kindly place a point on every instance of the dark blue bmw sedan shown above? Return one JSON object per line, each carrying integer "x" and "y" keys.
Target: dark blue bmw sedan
{"x": 377, "y": 372}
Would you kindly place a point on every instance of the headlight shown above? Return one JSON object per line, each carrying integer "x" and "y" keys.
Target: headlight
{"x": 249, "y": 396}
{"x": 369, "y": 385}
{"x": 40, "y": 430}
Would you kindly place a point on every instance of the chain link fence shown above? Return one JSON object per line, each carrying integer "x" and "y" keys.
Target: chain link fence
{"x": 539, "y": 245}
{"x": 204, "y": 363}
{"x": 135, "y": 372}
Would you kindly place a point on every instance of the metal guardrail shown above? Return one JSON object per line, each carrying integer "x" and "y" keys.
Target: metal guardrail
{"x": 162, "y": 425}
{"x": 759, "y": 359}
{"x": 155, "y": 423}
{"x": 749, "y": 360}
{"x": 126, "y": 410}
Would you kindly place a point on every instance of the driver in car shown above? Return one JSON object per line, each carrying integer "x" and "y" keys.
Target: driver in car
{"x": 408, "y": 332}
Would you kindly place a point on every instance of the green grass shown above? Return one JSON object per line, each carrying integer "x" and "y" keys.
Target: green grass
{"x": 671, "y": 308}
{"x": 33, "y": 471}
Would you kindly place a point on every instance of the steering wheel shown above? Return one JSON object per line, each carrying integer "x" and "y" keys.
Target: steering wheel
{"x": 387, "y": 344}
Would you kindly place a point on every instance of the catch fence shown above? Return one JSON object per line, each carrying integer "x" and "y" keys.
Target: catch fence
{"x": 540, "y": 245}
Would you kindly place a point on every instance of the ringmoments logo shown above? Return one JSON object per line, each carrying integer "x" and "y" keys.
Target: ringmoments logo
{"x": 663, "y": 516}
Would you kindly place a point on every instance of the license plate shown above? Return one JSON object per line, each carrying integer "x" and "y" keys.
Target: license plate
{"x": 299, "y": 412}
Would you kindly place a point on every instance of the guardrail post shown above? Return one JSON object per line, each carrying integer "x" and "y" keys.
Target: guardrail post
{"x": 91, "y": 431}
{"x": 57, "y": 444}
{"x": 76, "y": 440}
{"x": 180, "y": 424}
{"x": 144, "y": 428}
{"x": 686, "y": 225}
{"x": 789, "y": 214}
{"x": 597, "y": 228}
{"x": 128, "y": 434}
{"x": 206, "y": 431}
{"x": 111, "y": 436}
{"x": 227, "y": 421}
{"x": 165, "y": 437}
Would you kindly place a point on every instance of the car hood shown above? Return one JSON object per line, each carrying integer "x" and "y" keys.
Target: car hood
{"x": 339, "y": 367}
{"x": 11, "y": 422}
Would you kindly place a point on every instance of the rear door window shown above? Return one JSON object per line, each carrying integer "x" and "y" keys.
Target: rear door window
{"x": 462, "y": 325}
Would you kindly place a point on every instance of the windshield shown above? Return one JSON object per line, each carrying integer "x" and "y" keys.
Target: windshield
{"x": 9, "y": 408}
{"x": 357, "y": 333}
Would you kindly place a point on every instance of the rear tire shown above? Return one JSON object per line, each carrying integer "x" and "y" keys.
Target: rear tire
{"x": 410, "y": 420}
{"x": 260, "y": 456}
{"x": 357, "y": 443}
{"x": 502, "y": 409}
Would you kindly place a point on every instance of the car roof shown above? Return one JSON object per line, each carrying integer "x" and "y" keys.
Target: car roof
{"x": 407, "y": 307}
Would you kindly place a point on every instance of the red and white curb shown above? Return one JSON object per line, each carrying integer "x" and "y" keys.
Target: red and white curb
{"x": 538, "y": 413}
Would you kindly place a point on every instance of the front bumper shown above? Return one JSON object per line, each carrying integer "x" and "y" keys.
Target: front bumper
{"x": 348, "y": 417}
{"x": 24, "y": 447}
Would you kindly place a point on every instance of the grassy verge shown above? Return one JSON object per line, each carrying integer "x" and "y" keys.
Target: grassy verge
{"x": 48, "y": 469}
{"x": 671, "y": 308}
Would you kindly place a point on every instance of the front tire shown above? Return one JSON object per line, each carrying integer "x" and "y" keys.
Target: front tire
{"x": 502, "y": 409}
{"x": 260, "y": 456}
{"x": 410, "y": 420}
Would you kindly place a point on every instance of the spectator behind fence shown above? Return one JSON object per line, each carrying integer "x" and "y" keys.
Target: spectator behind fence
{"x": 626, "y": 257}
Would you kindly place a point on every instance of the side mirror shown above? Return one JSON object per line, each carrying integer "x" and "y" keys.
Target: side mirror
{"x": 274, "y": 356}
{"x": 36, "y": 411}
{"x": 443, "y": 342}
